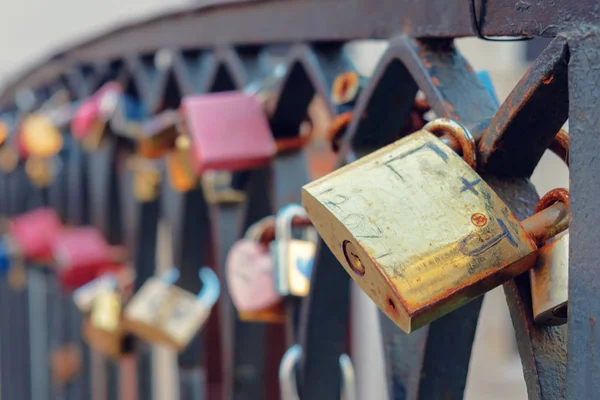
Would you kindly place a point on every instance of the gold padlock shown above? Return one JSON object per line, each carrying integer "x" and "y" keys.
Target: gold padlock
{"x": 158, "y": 134}
{"x": 41, "y": 171}
{"x": 179, "y": 164}
{"x": 550, "y": 275}
{"x": 102, "y": 330}
{"x": 39, "y": 136}
{"x": 146, "y": 178}
{"x": 164, "y": 313}
{"x": 106, "y": 311}
{"x": 9, "y": 158}
{"x": 417, "y": 228}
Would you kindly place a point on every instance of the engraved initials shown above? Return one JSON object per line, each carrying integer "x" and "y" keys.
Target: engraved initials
{"x": 484, "y": 242}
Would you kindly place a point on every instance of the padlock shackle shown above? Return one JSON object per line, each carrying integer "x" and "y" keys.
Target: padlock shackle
{"x": 547, "y": 223}
{"x": 287, "y": 375}
{"x": 284, "y": 220}
{"x": 170, "y": 276}
{"x": 211, "y": 287}
{"x": 110, "y": 279}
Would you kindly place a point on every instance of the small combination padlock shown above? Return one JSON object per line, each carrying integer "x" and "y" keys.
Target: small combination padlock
{"x": 164, "y": 313}
{"x": 103, "y": 328}
{"x": 82, "y": 254}
{"x": 251, "y": 277}
{"x": 550, "y": 275}
{"x": 293, "y": 257}
{"x": 417, "y": 228}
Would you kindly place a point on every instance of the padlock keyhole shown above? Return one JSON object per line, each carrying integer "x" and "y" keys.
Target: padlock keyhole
{"x": 352, "y": 258}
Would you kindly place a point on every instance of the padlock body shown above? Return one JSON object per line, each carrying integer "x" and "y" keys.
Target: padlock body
{"x": 165, "y": 313}
{"x": 34, "y": 233}
{"x": 229, "y": 131}
{"x": 418, "y": 229}
{"x": 106, "y": 311}
{"x": 80, "y": 254}
{"x": 110, "y": 344}
{"x": 250, "y": 277}
{"x": 550, "y": 283}
{"x": 293, "y": 266}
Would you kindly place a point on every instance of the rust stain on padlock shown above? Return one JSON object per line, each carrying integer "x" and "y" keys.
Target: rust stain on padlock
{"x": 407, "y": 210}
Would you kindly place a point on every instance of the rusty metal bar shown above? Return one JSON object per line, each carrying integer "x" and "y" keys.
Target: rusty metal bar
{"x": 584, "y": 253}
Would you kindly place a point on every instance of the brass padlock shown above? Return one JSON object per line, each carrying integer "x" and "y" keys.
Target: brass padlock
{"x": 417, "y": 228}
{"x": 106, "y": 310}
{"x": 164, "y": 313}
{"x": 146, "y": 178}
{"x": 85, "y": 296}
{"x": 103, "y": 329}
{"x": 180, "y": 170}
{"x": 550, "y": 275}
{"x": 39, "y": 137}
{"x": 158, "y": 134}
{"x": 293, "y": 258}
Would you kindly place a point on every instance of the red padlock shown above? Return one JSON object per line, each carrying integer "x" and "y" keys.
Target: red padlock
{"x": 34, "y": 232}
{"x": 95, "y": 110}
{"x": 229, "y": 131}
{"x": 81, "y": 254}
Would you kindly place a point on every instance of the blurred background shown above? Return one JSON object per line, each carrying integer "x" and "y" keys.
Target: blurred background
{"x": 31, "y": 30}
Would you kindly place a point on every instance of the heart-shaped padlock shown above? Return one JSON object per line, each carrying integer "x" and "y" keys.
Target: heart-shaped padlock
{"x": 250, "y": 272}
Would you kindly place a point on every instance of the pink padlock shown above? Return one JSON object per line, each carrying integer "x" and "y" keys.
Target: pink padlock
{"x": 250, "y": 275}
{"x": 34, "y": 232}
{"x": 95, "y": 109}
{"x": 229, "y": 131}
{"x": 81, "y": 254}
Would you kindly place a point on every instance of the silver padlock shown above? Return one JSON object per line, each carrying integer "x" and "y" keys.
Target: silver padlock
{"x": 293, "y": 257}
{"x": 550, "y": 282}
{"x": 287, "y": 375}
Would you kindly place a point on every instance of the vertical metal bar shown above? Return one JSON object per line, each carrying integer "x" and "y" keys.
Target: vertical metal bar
{"x": 140, "y": 222}
{"x": 105, "y": 214}
{"x": 187, "y": 214}
{"x": 584, "y": 278}
{"x": 77, "y": 214}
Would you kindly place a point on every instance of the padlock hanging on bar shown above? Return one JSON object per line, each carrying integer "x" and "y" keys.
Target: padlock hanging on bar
{"x": 90, "y": 120}
{"x": 550, "y": 275}
{"x": 27, "y": 238}
{"x": 250, "y": 277}
{"x": 30, "y": 236}
{"x": 164, "y": 313}
{"x": 82, "y": 254}
{"x": 417, "y": 228}
{"x": 103, "y": 328}
{"x": 293, "y": 258}
{"x": 9, "y": 154}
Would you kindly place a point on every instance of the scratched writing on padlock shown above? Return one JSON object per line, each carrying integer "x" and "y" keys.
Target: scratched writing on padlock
{"x": 418, "y": 210}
